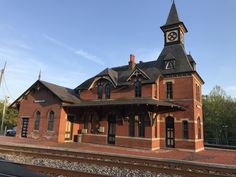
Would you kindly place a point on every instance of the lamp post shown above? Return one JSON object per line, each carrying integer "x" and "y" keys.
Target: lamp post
{"x": 226, "y": 133}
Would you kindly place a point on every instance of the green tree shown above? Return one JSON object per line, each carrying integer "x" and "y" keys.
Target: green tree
{"x": 219, "y": 111}
{"x": 10, "y": 116}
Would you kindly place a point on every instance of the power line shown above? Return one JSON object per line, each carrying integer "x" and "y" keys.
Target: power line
{"x": 5, "y": 84}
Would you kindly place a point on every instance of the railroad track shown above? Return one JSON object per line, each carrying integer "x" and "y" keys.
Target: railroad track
{"x": 184, "y": 168}
{"x": 12, "y": 169}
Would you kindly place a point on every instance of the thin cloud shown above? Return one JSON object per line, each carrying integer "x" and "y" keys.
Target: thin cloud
{"x": 79, "y": 52}
{"x": 89, "y": 57}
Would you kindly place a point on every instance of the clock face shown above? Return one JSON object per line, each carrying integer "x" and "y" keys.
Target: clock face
{"x": 172, "y": 36}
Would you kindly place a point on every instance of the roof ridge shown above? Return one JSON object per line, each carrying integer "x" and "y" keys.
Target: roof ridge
{"x": 54, "y": 84}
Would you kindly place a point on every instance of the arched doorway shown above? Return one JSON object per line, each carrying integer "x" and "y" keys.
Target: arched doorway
{"x": 170, "y": 132}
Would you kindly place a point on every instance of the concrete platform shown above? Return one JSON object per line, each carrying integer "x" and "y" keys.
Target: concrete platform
{"x": 209, "y": 155}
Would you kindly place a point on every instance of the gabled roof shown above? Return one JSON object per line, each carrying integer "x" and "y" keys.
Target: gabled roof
{"x": 124, "y": 72}
{"x": 140, "y": 71}
{"x": 109, "y": 72}
{"x": 64, "y": 94}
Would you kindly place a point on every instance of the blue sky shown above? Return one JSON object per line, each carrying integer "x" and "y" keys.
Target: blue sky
{"x": 70, "y": 41}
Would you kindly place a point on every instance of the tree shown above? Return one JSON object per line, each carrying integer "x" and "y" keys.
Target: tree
{"x": 10, "y": 116}
{"x": 219, "y": 111}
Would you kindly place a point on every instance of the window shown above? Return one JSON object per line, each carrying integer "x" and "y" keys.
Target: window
{"x": 185, "y": 129}
{"x": 155, "y": 90}
{"x": 197, "y": 92}
{"x": 51, "y": 121}
{"x": 199, "y": 128}
{"x": 37, "y": 121}
{"x": 131, "y": 126}
{"x": 107, "y": 91}
{"x": 100, "y": 89}
{"x": 170, "y": 64}
{"x": 169, "y": 90}
{"x": 138, "y": 89}
{"x": 156, "y": 128}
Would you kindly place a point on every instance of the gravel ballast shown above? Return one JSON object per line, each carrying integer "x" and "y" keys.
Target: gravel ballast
{"x": 82, "y": 167}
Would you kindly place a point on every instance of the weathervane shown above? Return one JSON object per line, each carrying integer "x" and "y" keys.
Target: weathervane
{"x": 39, "y": 77}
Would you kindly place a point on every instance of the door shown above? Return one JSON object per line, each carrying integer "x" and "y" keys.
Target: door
{"x": 111, "y": 129}
{"x": 69, "y": 128}
{"x": 24, "y": 129}
{"x": 170, "y": 132}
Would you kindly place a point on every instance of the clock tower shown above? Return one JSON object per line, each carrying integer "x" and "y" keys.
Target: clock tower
{"x": 174, "y": 29}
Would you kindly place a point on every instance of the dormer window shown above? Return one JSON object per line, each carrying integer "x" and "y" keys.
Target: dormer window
{"x": 107, "y": 90}
{"x": 170, "y": 64}
{"x": 100, "y": 89}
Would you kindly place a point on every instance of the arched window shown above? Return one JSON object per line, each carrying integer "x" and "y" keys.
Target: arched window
{"x": 51, "y": 121}
{"x": 107, "y": 91}
{"x": 100, "y": 91}
{"x": 138, "y": 89}
{"x": 185, "y": 129}
{"x": 37, "y": 121}
{"x": 199, "y": 128}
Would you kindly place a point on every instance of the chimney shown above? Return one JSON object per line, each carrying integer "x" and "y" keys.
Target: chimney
{"x": 132, "y": 62}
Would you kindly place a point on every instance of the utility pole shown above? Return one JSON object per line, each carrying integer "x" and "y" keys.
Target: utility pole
{"x": 5, "y": 100}
{"x": 3, "y": 113}
{"x": 2, "y": 72}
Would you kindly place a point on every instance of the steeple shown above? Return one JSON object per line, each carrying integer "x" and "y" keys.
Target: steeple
{"x": 174, "y": 28}
{"x": 173, "y": 17}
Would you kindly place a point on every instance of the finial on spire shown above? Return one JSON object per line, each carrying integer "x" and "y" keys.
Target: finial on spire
{"x": 39, "y": 77}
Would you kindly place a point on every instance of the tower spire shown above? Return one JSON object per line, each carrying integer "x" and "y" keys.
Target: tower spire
{"x": 173, "y": 17}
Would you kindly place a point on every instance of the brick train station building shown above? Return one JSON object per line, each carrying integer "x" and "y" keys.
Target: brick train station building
{"x": 147, "y": 105}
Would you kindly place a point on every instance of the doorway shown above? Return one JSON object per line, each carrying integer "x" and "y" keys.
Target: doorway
{"x": 69, "y": 128}
{"x": 170, "y": 132}
{"x": 111, "y": 129}
{"x": 24, "y": 129}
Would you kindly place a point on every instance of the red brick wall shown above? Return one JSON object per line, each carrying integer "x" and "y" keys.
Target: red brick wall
{"x": 28, "y": 108}
{"x": 184, "y": 93}
{"x": 124, "y": 92}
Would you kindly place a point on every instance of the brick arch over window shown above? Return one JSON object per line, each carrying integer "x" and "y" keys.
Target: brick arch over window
{"x": 51, "y": 120}
{"x": 199, "y": 129}
{"x": 37, "y": 120}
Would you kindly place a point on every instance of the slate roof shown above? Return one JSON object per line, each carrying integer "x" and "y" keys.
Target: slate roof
{"x": 111, "y": 73}
{"x": 153, "y": 69}
{"x": 64, "y": 94}
{"x": 182, "y": 63}
{"x": 173, "y": 17}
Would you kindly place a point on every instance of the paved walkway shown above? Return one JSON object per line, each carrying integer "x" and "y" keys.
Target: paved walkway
{"x": 210, "y": 155}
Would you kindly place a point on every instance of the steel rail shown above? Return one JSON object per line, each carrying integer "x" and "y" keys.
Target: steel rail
{"x": 123, "y": 161}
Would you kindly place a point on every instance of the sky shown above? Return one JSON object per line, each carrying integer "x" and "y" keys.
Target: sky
{"x": 73, "y": 40}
